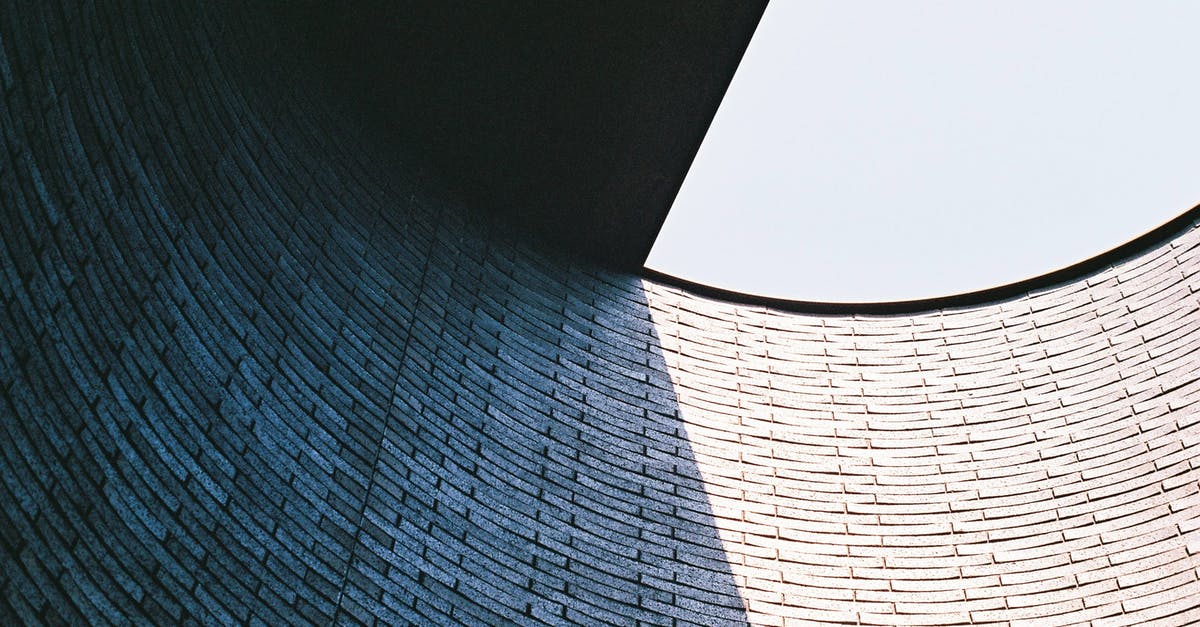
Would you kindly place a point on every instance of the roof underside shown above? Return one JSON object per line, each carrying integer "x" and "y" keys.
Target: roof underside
{"x": 575, "y": 120}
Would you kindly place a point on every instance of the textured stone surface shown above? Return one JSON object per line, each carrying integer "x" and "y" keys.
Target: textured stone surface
{"x": 253, "y": 368}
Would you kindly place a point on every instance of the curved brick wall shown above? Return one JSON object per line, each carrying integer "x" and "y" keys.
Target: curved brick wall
{"x": 253, "y": 371}
{"x": 1025, "y": 462}
{"x": 256, "y": 368}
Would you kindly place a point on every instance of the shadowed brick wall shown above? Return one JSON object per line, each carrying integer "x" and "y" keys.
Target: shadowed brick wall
{"x": 253, "y": 371}
{"x": 257, "y": 367}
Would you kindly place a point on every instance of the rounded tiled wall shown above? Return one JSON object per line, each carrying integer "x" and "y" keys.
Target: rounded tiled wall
{"x": 256, "y": 368}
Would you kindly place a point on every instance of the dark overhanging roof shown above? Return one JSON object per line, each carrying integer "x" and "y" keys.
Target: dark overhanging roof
{"x": 576, "y": 120}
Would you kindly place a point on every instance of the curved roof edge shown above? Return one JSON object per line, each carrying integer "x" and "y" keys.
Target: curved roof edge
{"x": 1130, "y": 249}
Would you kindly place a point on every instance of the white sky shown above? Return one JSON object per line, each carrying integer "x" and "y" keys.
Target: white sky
{"x": 901, "y": 149}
